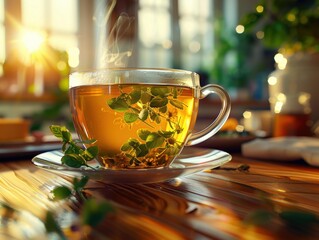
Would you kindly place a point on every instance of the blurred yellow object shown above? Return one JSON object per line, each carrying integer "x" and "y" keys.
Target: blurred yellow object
{"x": 12, "y": 129}
{"x": 230, "y": 125}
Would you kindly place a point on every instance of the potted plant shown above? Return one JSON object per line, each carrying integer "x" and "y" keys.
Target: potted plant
{"x": 232, "y": 66}
{"x": 286, "y": 25}
{"x": 290, "y": 27}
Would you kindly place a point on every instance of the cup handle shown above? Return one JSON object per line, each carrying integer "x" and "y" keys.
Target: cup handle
{"x": 223, "y": 115}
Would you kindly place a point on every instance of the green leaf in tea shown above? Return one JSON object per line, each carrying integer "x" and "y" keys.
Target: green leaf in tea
{"x": 126, "y": 147}
{"x": 118, "y": 104}
{"x": 172, "y": 151}
{"x": 135, "y": 96}
{"x": 163, "y": 109}
{"x": 133, "y": 142}
{"x": 166, "y": 134}
{"x": 151, "y": 105}
{"x": 146, "y": 97}
{"x": 143, "y": 115}
{"x": 130, "y": 117}
{"x": 143, "y": 133}
{"x": 142, "y": 150}
{"x": 176, "y": 103}
{"x": 158, "y": 102}
{"x": 160, "y": 91}
{"x": 154, "y": 140}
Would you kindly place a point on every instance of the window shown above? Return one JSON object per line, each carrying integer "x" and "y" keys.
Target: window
{"x": 154, "y": 33}
{"x": 58, "y": 18}
{"x": 196, "y": 27}
{"x": 175, "y": 33}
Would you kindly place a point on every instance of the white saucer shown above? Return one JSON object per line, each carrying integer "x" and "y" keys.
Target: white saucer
{"x": 190, "y": 161}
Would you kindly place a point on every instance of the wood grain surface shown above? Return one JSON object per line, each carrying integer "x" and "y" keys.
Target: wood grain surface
{"x": 209, "y": 205}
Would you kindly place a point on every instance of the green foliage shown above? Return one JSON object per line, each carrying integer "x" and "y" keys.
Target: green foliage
{"x": 289, "y": 24}
{"x": 149, "y": 103}
{"x": 64, "y": 192}
{"x": 232, "y": 66}
{"x": 298, "y": 219}
{"x": 61, "y": 192}
{"x": 74, "y": 155}
{"x": 92, "y": 213}
{"x": 52, "y": 226}
{"x": 293, "y": 219}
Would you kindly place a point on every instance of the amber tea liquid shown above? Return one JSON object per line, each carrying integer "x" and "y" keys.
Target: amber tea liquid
{"x": 135, "y": 126}
{"x": 292, "y": 124}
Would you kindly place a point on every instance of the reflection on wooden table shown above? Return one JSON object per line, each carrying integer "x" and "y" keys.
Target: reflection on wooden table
{"x": 213, "y": 204}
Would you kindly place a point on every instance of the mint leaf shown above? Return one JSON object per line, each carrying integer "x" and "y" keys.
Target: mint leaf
{"x": 143, "y": 133}
{"x": 61, "y": 192}
{"x": 143, "y": 114}
{"x": 118, "y": 104}
{"x": 176, "y": 103}
{"x": 79, "y": 184}
{"x": 135, "y": 96}
{"x": 72, "y": 160}
{"x": 56, "y": 130}
{"x": 158, "y": 102}
{"x": 130, "y": 117}
{"x": 160, "y": 91}
{"x": 154, "y": 140}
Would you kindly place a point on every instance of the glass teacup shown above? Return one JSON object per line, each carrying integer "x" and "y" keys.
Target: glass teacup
{"x": 141, "y": 118}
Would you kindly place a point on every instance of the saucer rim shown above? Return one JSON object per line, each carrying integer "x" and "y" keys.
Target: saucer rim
{"x": 175, "y": 170}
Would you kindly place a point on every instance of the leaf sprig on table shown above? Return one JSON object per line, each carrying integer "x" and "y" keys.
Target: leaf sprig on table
{"x": 294, "y": 219}
{"x": 74, "y": 154}
{"x": 92, "y": 212}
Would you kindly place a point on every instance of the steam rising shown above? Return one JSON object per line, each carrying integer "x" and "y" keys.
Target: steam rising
{"x": 113, "y": 49}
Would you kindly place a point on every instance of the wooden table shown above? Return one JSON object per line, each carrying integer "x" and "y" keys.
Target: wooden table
{"x": 214, "y": 204}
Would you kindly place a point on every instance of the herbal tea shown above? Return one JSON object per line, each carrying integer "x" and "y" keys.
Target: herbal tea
{"x": 135, "y": 126}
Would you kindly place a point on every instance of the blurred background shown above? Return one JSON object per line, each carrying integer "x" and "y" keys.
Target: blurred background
{"x": 229, "y": 42}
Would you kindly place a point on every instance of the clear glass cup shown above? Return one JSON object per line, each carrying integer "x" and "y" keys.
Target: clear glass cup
{"x": 141, "y": 118}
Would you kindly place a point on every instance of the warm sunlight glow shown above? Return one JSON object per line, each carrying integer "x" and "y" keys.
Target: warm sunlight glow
{"x": 240, "y": 29}
{"x": 240, "y": 128}
{"x": 278, "y": 57}
{"x": 32, "y": 40}
{"x": 304, "y": 98}
{"x": 260, "y": 8}
{"x": 278, "y": 107}
{"x": 247, "y": 114}
{"x": 272, "y": 80}
{"x": 74, "y": 54}
{"x": 61, "y": 65}
{"x": 281, "y": 61}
